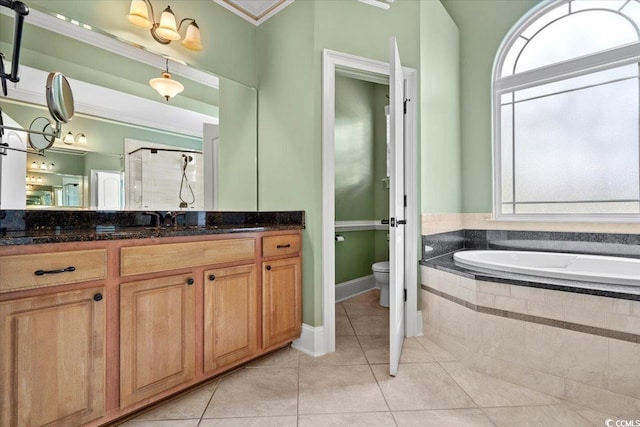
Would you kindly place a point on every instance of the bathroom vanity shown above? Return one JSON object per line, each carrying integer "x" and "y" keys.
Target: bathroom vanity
{"x": 98, "y": 325}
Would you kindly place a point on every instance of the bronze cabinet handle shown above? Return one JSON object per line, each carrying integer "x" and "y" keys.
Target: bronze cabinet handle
{"x": 62, "y": 270}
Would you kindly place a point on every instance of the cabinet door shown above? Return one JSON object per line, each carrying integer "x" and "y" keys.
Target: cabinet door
{"x": 52, "y": 363}
{"x": 157, "y": 336}
{"x": 230, "y": 315}
{"x": 281, "y": 301}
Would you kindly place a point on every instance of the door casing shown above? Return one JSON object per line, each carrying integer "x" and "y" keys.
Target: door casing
{"x": 377, "y": 72}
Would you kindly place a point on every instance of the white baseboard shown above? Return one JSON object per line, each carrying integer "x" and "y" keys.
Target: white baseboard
{"x": 419, "y": 331}
{"x": 354, "y": 287}
{"x": 311, "y": 341}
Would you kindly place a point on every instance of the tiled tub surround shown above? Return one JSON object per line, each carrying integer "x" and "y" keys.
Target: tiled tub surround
{"x": 579, "y": 347}
{"x": 574, "y": 340}
{"x": 20, "y": 227}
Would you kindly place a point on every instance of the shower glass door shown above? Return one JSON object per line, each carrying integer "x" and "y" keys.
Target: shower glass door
{"x": 396, "y": 211}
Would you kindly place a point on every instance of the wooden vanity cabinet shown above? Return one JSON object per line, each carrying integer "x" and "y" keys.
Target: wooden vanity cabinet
{"x": 52, "y": 363}
{"x": 281, "y": 290}
{"x": 136, "y": 321}
{"x": 157, "y": 336}
{"x": 230, "y": 316}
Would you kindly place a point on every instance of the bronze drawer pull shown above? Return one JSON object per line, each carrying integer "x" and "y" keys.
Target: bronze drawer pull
{"x": 62, "y": 270}
{"x": 288, "y": 245}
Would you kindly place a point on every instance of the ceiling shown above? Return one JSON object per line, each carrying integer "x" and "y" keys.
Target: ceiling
{"x": 254, "y": 11}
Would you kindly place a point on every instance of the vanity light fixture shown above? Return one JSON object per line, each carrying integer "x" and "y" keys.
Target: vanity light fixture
{"x": 165, "y": 85}
{"x": 79, "y": 139}
{"x": 166, "y": 30}
{"x": 68, "y": 138}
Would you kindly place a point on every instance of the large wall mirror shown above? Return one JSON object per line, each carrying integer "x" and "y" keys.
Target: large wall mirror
{"x": 126, "y": 147}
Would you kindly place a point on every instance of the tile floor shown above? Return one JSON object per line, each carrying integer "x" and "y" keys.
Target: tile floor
{"x": 351, "y": 387}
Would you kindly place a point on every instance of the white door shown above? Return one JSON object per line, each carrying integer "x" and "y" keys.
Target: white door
{"x": 396, "y": 210}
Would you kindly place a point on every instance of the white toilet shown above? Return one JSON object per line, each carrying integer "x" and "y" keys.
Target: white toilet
{"x": 381, "y": 275}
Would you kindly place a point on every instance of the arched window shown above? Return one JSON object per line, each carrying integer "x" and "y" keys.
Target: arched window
{"x": 566, "y": 109}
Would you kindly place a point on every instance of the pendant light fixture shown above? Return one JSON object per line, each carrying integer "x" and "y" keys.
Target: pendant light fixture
{"x": 165, "y": 85}
{"x": 167, "y": 30}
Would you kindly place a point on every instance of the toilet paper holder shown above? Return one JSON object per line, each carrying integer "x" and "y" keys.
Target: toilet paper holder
{"x": 339, "y": 238}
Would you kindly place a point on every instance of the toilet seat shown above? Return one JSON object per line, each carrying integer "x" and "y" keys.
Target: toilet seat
{"x": 381, "y": 267}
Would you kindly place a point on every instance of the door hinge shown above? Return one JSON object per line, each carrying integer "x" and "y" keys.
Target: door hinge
{"x": 405, "y": 294}
{"x": 405, "y": 200}
{"x": 405, "y": 105}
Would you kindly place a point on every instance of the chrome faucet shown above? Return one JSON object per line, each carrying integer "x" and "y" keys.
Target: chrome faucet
{"x": 171, "y": 218}
{"x": 168, "y": 219}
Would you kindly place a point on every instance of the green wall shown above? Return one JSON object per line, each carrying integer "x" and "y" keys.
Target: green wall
{"x": 360, "y": 164}
{"x": 238, "y": 147}
{"x": 441, "y": 175}
{"x": 483, "y": 25}
{"x": 354, "y": 150}
{"x": 355, "y": 255}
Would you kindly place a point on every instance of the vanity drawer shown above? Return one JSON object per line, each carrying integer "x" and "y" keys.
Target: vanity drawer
{"x": 280, "y": 245}
{"x": 174, "y": 256}
{"x": 38, "y": 270}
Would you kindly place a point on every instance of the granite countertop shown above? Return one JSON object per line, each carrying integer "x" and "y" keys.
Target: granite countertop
{"x": 62, "y": 235}
{"x": 446, "y": 263}
{"x": 37, "y": 227}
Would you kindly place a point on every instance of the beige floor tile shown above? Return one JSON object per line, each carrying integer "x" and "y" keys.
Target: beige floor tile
{"x": 420, "y": 386}
{"x": 375, "y": 419}
{"x": 191, "y": 405}
{"x": 288, "y": 421}
{"x": 414, "y": 352}
{"x": 338, "y": 389}
{"x": 370, "y": 325}
{"x": 343, "y": 327}
{"x": 162, "y": 423}
{"x": 488, "y": 391}
{"x": 376, "y": 348}
{"x": 535, "y": 416}
{"x": 255, "y": 392}
{"x": 366, "y": 297}
{"x": 438, "y": 353}
{"x": 443, "y": 418}
{"x": 596, "y": 418}
{"x": 348, "y": 352}
{"x": 372, "y": 308}
{"x": 340, "y": 310}
{"x": 284, "y": 358}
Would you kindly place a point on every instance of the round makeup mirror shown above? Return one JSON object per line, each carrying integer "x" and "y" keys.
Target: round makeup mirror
{"x": 41, "y": 134}
{"x": 59, "y": 98}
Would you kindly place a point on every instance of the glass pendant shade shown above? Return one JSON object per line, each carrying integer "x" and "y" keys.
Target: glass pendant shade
{"x": 68, "y": 139}
{"x": 167, "y": 29}
{"x": 192, "y": 38}
{"x": 81, "y": 139}
{"x": 166, "y": 86}
{"x": 139, "y": 14}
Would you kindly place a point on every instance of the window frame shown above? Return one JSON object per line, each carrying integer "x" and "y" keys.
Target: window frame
{"x": 600, "y": 61}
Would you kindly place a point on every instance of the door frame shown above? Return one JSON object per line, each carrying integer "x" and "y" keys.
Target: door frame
{"x": 378, "y": 72}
